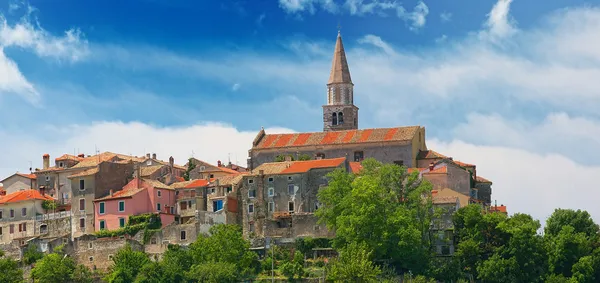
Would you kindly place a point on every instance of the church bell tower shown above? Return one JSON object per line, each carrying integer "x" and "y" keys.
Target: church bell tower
{"x": 340, "y": 113}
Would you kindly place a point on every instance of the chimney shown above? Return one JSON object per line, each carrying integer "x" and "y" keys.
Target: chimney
{"x": 154, "y": 156}
{"x": 81, "y": 155}
{"x": 148, "y": 155}
{"x": 261, "y": 172}
{"x": 171, "y": 171}
{"x": 42, "y": 190}
{"x": 431, "y": 165}
{"x": 46, "y": 160}
{"x": 219, "y": 163}
{"x": 110, "y": 192}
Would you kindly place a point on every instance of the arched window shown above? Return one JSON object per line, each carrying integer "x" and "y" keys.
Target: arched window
{"x": 347, "y": 97}
{"x": 333, "y": 95}
{"x": 340, "y": 118}
{"x": 328, "y": 95}
{"x": 334, "y": 120}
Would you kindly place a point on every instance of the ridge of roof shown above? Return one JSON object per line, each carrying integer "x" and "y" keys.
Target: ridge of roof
{"x": 294, "y": 167}
{"x": 24, "y": 195}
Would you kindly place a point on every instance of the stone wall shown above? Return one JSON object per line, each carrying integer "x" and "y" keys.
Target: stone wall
{"x": 97, "y": 253}
{"x": 171, "y": 234}
{"x": 484, "y": 192}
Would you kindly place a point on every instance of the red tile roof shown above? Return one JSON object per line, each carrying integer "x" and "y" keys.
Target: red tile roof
{"x": 337, "y": 137}
{"x": 125, "y": 193}
{"x": 68, "y": 157}
{"x": 133, "y": 187}
{"x": 463, "y": 164}
{"x": 500, "y": 208}
{"x": 24, "y": 196}
{"x": 294, "y": 167}
{"x": 355, "y": 167}
{"x": 480, "y": 179}
{"x": 430, "y": 154}
{"x": 199, "y": 183}
{"x": 28, "y": 176}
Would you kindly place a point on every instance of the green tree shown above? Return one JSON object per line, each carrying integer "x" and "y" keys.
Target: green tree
{"x": 175, "y": 262}
{"x": 9, "y": 270}
{"x": 53, "y": 268}
{"x": 191, "y": 166}
{"x": 353, "y": 265}
{"x": 127, "y": 263}
{"x": 152, "y": 272}
{"x": 32, "y": 254}
{"x": 565, "y": 250}
{"x": 383, "y": 207}
{"x": 82, "y": 274}
{"x": 213, "y": 272}
{"x": 225, "y": 245}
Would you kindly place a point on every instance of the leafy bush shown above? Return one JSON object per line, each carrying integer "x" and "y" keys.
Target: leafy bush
{"x": 49, "y": 205}
{"x": 32, "y": 254}
{"x": 148, "y": 222}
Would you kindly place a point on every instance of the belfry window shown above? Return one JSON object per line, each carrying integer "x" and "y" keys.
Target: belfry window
{"x": 334, "y": 120}
{"x": 340, "y": 118}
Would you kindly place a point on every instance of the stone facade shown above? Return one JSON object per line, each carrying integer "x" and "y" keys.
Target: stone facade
{"x": 19, "y": 182}
{"x": 110, "y": 176}
{"x": 97, "y": 253}
{"x": 283, "y": 205}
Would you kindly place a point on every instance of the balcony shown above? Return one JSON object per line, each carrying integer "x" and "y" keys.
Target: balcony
{"x": 50, "y": 216}
{"x": 186, "y": 195}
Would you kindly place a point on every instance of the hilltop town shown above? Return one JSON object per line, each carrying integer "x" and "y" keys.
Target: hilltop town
{"x": 94, "y": 205}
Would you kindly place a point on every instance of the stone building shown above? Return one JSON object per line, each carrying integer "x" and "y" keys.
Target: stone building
{"x": 19, "y": 182}
{"x": 94, "y": 183}
{"x": 165, "y": 172}
{"x": 279, "y": 199}
{"x": 18, "y": 213}
{"x": 340, "y": 136}
{"x": 97, "y": 253}
{"x": 205, "y": 170}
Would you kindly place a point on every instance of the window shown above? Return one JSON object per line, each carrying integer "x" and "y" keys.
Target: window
{"x": 251, "y": 193}
{"x": 101, "y": 208}
{"x": 82, "y": 185}
{"x": 121, "y": 206}
{"x": 121, "y": 222}
{"x": 340, "y": 118}
{"x": 316, "y": 205}
{"x": 291, "y": 206}
{"x": 47, "y": 178}
{"x": 158, "y": 207}
{"x": 102, "y": 225}
{"x": 81, "y": 204}
{"x": 91, "y": 259}
{"x": 23, "y": 227}
{"x": 289, "y": 178}
{"x": 149, "y": 162}
{"x": 12, "y": 228}
{"x": 211, "y": 176}
{"x": 182, "y": 236}
{"x": 250, "y": 181}
{"x": 229, "y": 189}
{"x": 271, "y": 192}
{"x": 172, "y": 210}
{"x": 24, "y": 211}
{"x": 90, "y": 245}
{"x": 355, "y": 122}
{"x": 153, "y": 241}
{"x": 271, "y": 179}
{"x": 202, "y": 168}
{"x": 271, "y": 206}
{"x": 217, "y": 205}
{"x": 212, "y": 190}
{"x": 334, "y": 119}
{"x": 158, "y": 193}
{"x": 60, "y": 164}
{"x": 251, "y": 208}
{"x": 320, "y": 156}
{"x": 251, "y": 227}
{"x": 358, "y": 156}
{"x": 445, "y": 250}
{"x": 0, "y": 213}
{"x": 12, "y": 213}
{"x": 43, "y": 228}
{"x": 0, "y": 231}
{"x": 183, "y": 205}
{"x": 81, "y": 222}
{"x": 291, "y": 190}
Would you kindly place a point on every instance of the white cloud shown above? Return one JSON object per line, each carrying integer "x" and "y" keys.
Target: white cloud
{"x": 235, "y": 87}
{"x": 417, "y": 18}
{"x": 13, "y": 82}
{"x": 210, "y": 141}
{"x": 360, "y": 7}
{"x": 376, "y": 41}
{"x": 528, "y": 182}
{"x": 445, "y": 17}
{"x": 296, "y": 6}
{"x": 499, "y": 23}
{"x": 71, "y": 46}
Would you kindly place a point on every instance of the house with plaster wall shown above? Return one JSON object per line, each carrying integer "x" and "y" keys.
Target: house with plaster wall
{"x": 18, "y": 213}
{"x": 139, "y": 196}
{"x": 19, "y": 182}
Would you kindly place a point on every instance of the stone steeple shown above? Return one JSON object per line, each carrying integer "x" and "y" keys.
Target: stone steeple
{"x": 340, "y": 73}
{"x": 340, "y": 113}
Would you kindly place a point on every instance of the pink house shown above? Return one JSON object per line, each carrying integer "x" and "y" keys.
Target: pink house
{"x": 137, "y": 197}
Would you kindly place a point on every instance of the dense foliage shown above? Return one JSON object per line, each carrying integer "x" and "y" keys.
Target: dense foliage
{"x": 149, "y": 222}
{"x": 190, "y": 167}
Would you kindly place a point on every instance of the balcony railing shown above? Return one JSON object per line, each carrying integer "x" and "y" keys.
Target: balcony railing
{"x": 50, "y": 216}
{"x": 184, "y": 195}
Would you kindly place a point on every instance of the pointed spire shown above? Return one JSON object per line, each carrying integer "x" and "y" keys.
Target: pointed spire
{"x": 340, "y": 73}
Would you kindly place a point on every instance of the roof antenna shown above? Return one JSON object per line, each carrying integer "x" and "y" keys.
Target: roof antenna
{"x": 339, "y": 27}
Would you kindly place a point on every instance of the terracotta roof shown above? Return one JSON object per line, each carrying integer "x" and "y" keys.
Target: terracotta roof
{"x": 28, "y": 176}
{"x": 227, "y": 170}
{"x": 179, "y": 179}
{"x": 229, "y": 180}
{"x": 444, "y": 199}
{"x": 181, "y": 184}
{"x": 88, "y": 172}
{"x": 482, "y": 180}
{"x": 294, "y": 167}
{"x": 430, "y": 154}
{"x": 340, "y": 73}
{"x": 149, "y": 170}
{"x": 463, "y": 199}
{"x": 337, "y": 137}
{"x": 463, "y": 164}
{"x": 68, "y": 157}
{"x": 199, "y": 183}
{"x": 24, "y": 195}
{"x": 355, "y": 167}
{"x": 156, "y": 184}
{"x": 126, "y": 193}
{"x": 439, "y": 170}
{"x": 105, "y": 156}
{"x": 498, "y": 208}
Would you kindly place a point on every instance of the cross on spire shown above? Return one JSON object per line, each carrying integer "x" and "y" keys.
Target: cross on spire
{"x": 339, "y": 27}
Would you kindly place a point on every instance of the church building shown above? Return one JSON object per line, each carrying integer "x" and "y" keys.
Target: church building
{"x": 341, "y": 136}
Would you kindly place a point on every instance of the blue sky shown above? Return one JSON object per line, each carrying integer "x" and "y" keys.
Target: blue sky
{"x": 509, "y": 85}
